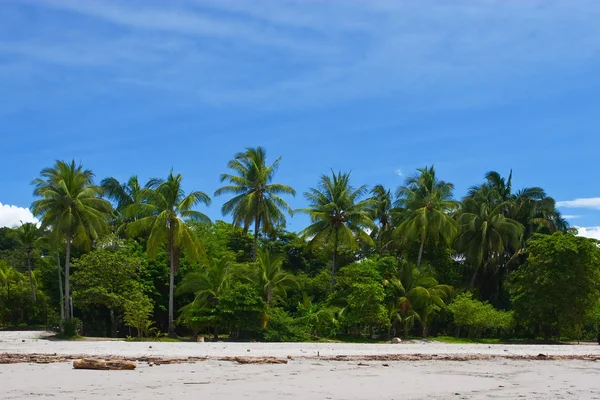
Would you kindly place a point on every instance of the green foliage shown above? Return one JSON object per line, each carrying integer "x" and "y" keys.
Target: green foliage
{"x": 360, "y": 292}
{"x": 558, "y": 286}
{"x": 284, "y": 328}
{"x": 241, "y": 309}
{"x": 137, "y": 312}
{"x": 70, "y": 328}
{"x": 281, "y": 285}
{"x": 268, "y": 275}
{"x": 478, "y": 317}
{"x": 321, "y": 319}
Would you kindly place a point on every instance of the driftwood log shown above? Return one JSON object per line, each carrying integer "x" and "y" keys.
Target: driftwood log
{"x": 90, "y": 363}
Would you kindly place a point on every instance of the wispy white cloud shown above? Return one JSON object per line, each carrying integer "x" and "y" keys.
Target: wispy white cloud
{"x": 592, "y": 203}
{"x": 571, "y": 216}
{"x": 11, "y": 216}
{"x": 398, "y": 172}
{"x": 592, "y": 232}
{"x": 290, "y": 52}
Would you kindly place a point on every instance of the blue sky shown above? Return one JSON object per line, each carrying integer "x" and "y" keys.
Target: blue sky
{"x": 376, "y": 87}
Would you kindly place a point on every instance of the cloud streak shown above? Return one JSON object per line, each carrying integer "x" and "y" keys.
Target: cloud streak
{"x": 292, "y": 53}
{"x": 592, "y": 203}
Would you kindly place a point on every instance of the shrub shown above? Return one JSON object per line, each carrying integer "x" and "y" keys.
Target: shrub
{"x": 70, "y": 328}
{"x": 284, "y": 328}
{"x": 479, "y": 317}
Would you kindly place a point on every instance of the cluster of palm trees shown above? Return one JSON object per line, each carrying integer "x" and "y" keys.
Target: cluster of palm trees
{"x": 487, "y": 228}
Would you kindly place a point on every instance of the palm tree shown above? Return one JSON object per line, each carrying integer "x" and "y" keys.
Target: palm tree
{"x": 486, "y": 233}
{"x": 386, "y": 215}
{"x": 71, "y": 205}
{"x": 429, "y": 205}
{"x": 421, "y": 296}
{"x": 530, "y": 206}
{"x": 256, "y": 199}
{"x": 163, "y": 210}
{"x": 124, "y": 195}
{"x": 208, "y": 283}
{"x": 268, "y": 275}
{"x": 338, "y": 215}
{"x": 28, "y": 234}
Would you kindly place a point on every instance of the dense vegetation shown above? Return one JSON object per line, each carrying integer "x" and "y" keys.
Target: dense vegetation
{"x": 130, "y": 259}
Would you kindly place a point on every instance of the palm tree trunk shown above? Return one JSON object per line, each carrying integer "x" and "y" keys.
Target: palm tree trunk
{"x": 256, "y": 228}
{"x": 60, "y": 286}
{"x": 472, "y": 282}
{"x": 30, "y": 276}
{"x": 67, "y": 280}
{"x": 405, "y": 329}
{"x": 335, "y": 250}
{"x": 171, "y": 330}
{"x": 421, "y": 251}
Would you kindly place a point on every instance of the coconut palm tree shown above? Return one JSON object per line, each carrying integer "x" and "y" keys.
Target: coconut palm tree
{"x": 208, "y": 283}
{"x": 338, "y": 215}
{"x": 530, "y": 206}
{"x": 28, "y": 235}
{"x": 486, "y": 233}
{"x": 123, "y": 194}
{"x": 73, "y": 208}
{"x": 256, "y": 198}
{"x": 162, "y": 211}
{"x": 386, "y": 215}
{"x": 268, "y": 275}
{"x": 429, "y": 207}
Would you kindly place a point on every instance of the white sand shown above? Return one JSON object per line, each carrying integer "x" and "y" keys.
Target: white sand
{"x": 300, "y": 378}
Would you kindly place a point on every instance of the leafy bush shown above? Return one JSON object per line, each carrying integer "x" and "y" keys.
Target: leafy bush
{"x": 284, "y": 328}
{"x": 70, "y": 328}
{"x": 478, "y": 317}
{"x": 241, "y": 309}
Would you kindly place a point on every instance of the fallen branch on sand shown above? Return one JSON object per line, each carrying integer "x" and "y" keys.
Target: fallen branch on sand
{"x": 90, "y": 363}
{"x": 255, "y": 360}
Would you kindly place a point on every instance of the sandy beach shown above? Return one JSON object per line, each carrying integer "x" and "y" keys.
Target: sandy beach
{"x": 315, "y": 371}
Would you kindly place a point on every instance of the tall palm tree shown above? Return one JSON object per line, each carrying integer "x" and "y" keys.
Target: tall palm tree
{"x": 72, "y": 206}
{"x": 338, "y": 215}
{"x": 429, "y": 207}
{"x": 268, "y": 275}
{"x": 530, "y": 206}
{"x": 386, "y": 215}
{"x": 124, "y": 195}
{"x": 486, "y": 233}
{"x": 256, "y": 199}
{"x": 28, "y": 235}
{"x": 162, "y": 211}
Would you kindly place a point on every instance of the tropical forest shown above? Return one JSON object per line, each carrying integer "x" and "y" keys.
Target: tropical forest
{"x": 143, "y": 261}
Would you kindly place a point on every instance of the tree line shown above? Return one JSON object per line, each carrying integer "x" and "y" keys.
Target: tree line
{"x": 127, "y": 258}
